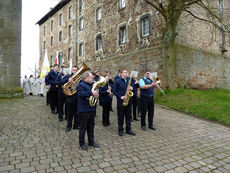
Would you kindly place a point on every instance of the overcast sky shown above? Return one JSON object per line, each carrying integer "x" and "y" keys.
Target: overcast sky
{"x": 32, "y": 11}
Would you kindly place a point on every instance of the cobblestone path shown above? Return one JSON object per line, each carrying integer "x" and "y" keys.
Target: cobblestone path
{"x": 33, "y": 140}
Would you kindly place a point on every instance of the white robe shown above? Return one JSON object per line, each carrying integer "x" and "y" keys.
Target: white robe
{"x": 41, "y": 85}
{"x": 31, "y": 85}
{"x": 36, "y": 87}
{"x": 25, "y": 85}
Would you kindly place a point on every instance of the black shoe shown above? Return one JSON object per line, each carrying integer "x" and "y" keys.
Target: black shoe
{"x": 121, "y": 133}
{"x": 131, "y": 133}
{"x": 151, "y": 127}
{"x": 67, "y": 129}
{"x": 94, "y": 145}
{"x": 65, "y": 118}
{"x": 61, "y": 119}
{"x": 54, "y": 112}
{"x": 41, "y": 95}
{"x": 143, "y": 128}
{"x": 135, "y": 119}
{"x": 76, "y": 128}
{"x": 84, "y": 147}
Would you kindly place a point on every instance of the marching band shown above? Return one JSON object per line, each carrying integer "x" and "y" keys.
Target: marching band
{"x": 79, "y": 92}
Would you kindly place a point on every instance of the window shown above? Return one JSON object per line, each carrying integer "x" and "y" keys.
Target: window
{"x": 98, "y": 14}
{"x": 44, "y": 45}
{"x": 60, "y": 19}
{"x": 51, "y": 40}
{"x": 69, "y": 53}
{"x": 60, "y": 36}
{"x": 51, "y": 60}
{"x": 145, "y": 27}
{"x": 70, "y": 12}
{"x": 51, "y": 25}
{"x": 44, "y": 30}
{"x": 81, "y": 49}
{"x": 221, "y": 6}
{"x": 70, "y": 31}
{"x": 98, "y": 42}
{"x": 122, "y": 4}
{"x": 81, "y": 5}
{"x": 81, "y": 24}
{"x": 122, "y": 35}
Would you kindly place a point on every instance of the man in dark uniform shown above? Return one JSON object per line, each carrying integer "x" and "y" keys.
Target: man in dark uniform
{"x": 105, "y": 99}
{"x": 61, "y": 97}
{"x": 119, "y": 90}
{"x": 134, "y": 99}
{"x": 51, "y": 80}
{"x": 86, "y": 112}
{"x": 71, "y": 103}
{"x": 47, "y": 86}
{"x": 147, "y": 100}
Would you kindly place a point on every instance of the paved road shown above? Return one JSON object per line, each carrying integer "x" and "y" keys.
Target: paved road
{"x": 33, "y": 140}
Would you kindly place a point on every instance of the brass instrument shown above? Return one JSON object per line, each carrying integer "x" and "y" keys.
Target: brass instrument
{"x": 101, "y": 82}
{"x": 69, "y": 88}
{"x": 128, "y": 93}
{"x": 157, "y": 82}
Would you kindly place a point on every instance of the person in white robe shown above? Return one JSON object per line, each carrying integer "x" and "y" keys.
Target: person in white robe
{"x": 36, "y": 86}
{"x": 25, "y": 85}
{"x": 31, "y": 84}
{"x": 41, "y": 84}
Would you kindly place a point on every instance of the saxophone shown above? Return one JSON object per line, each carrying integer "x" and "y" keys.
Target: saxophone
{"x": 128, "y": 93}
{"x": 69, "y": 88}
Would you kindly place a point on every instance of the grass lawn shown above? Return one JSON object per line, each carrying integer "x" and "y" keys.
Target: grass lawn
{"x": 213, "y": 104}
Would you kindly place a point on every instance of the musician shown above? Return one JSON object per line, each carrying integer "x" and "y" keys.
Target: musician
{"x": 47, "y": 86}
{"x": 86, "y": 112}
{"x": 51, "y": 80}
{"x": 119, "y": 89}
{"x": 61, "y": 96}
{"x": 108, "y": 73}
{"x": 105, "y": 99}
{"x": 135, "y": 86}
{"x": 147, "y": 100}
{"x": 97, "y": 75}
{"x": 118, "y": 75}
{"x": 71, "y": 103}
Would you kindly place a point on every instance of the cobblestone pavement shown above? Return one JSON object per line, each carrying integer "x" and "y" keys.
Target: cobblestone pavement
{"x": 33, "y": 140}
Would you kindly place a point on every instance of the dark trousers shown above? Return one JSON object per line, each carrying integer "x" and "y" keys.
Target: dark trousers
{"x": 105, "y": 112}
{"x": 147, "y": 104}
{"x": 61, "y": 101}
{"x": 124, "y": 112}
{"x": 134, "y": 101}
{"x": 87, "y": 123}
{"x": 48, "y": 97}
{"x": 53, "y": 99}
{"x": 71, "y": 111}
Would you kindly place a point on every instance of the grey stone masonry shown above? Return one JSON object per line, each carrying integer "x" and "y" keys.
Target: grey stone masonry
{"x": 10, "y": 42}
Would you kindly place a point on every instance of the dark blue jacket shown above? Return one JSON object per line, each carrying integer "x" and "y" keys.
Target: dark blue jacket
{"x": 116, "y": 77}
{"x": 58, "y": 82}
{"x": 96, "y": 78}
{"x": 135, "y": 86}
{"x": 119, "y": 88}
{"x": 84, "y": 92}
{"x": 51, "y": 79}
{"x": 104, "y": 95}
{"x": 149, "y": 91}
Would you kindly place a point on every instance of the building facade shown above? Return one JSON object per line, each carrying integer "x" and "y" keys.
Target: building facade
{"x": 109, "y": 35}
{"x": 10, "y": 42}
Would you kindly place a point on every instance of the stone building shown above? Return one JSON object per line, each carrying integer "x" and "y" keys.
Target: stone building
{"x": 10, "y": 42}
{"x": 126, "y": 34}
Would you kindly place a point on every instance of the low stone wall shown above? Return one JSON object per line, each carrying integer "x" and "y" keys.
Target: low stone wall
{"x": 200, "y": 69}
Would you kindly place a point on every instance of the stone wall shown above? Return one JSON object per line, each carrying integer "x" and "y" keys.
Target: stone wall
{"x": 196, "y": 68}
{"x": 10, "y": 42}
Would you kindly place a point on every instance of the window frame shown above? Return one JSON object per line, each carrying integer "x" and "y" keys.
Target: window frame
{"x": 122, "y": 4}
{"x": 147, "y": 17}
{"x": 70, "y": 31}
{"x": 60, "y": 19}
{"x": 122, "y": 32}
{"x": 70, "y": 53}
{"x": 81, "y": 50}
{"x": 51, "y": 40}
{"x": 70, "y": 15}
{"x": 44, "y": 45}
{"x": 60, "y": 37}
{"x": 81, "y": 5}
{"x": 97, "y": 14}
{"x": 44, "y": 30}
{"x": 51, "y": 25}
{"x": 99, "y": 38}
{"x": 81, "y": 24}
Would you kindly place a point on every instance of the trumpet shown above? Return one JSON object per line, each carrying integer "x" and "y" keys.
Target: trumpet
{"x": 157, "y": 82}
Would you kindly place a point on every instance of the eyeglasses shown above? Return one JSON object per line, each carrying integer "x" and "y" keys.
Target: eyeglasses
{"x": 148, "y": 73}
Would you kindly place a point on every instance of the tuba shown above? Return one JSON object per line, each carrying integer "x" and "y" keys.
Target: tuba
{"x": 128, "y": 93}
{"x": 69, "y": 88}
{"x": 101, "y": 82}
